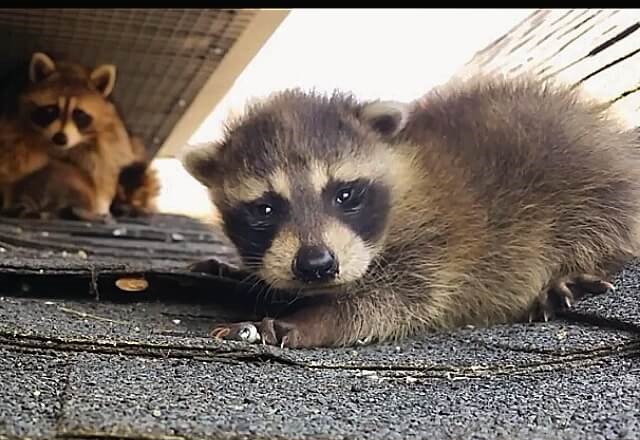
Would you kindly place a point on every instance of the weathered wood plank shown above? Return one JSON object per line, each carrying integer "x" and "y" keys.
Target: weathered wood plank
{"x": 615, "y": 80}
{"x": 557, "y": 40}
{"x": 628, "y": 107}
{"x": 597, "y": 49}
{"x": 569, "y": 51}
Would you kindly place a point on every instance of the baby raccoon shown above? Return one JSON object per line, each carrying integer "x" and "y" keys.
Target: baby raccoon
{"x": 484, "y": 202}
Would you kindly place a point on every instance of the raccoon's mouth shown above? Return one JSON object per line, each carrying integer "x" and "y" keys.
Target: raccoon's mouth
{"x": 57, "y": 149}
{"x": 306, "y": 289}
{"x": 334, "y": 285}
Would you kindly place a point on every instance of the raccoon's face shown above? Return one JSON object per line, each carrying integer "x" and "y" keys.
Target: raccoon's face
{"x": 62, "y": 102}
{"x": 305, "y": 185}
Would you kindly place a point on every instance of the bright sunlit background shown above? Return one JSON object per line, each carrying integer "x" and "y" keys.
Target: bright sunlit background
{"x": 386, "y": 54}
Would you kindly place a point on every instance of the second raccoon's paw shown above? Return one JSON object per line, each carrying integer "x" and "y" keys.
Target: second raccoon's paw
{"x": 78, "y": 213}
{"x": 268, "y": 331}
{"x": 561, "y": 293}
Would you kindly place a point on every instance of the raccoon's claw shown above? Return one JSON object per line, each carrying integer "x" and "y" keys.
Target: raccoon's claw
{"x": 561, "y": 294}
{"x": 242, "y": 331}
{"x": 268, "y": 331}
{"x": 107, "y": 219}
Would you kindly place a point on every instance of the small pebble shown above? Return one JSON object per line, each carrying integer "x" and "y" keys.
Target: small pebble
{"x": 177, "y": 236}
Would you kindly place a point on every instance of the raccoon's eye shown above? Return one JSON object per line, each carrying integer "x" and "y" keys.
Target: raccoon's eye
{"x": 81, "y": 119}
{"x": 349, "y": 198}
{"x": 261, "y": 214}
{"x": 45, "y": 115}
{"x": 343, "y": 196}
{"x": 264, "y": 210}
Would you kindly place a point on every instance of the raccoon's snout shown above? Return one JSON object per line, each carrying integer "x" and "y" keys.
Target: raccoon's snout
{"x": 60, "y": 139}
{"x": 315, "y": 264}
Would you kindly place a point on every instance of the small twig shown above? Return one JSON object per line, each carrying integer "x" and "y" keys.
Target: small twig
{"x": 88, "y": 315}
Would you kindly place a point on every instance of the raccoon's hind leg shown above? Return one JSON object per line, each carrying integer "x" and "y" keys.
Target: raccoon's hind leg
{"x": 562, "y": 292}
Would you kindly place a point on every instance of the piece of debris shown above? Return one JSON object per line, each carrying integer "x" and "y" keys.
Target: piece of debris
{"x": 132, "y": 284}
{"x": 85, "y": 315}
{"x": 119, "y": 231}
{"x": 176, "y": 236}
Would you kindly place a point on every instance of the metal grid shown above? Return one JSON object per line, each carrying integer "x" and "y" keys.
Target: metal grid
{"x": 164, "y": 56}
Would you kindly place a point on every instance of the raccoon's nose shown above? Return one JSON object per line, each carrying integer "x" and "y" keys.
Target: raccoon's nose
{"x": 314, "y": 263}
{"x": 59, "y": 138}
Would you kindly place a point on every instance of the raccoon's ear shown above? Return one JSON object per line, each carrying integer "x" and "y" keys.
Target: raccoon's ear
{"x": 387, "y": 118}
{"x": 41, "y": 67}
{"x": 201, "y": 161}
{"x": 104, "y": 78}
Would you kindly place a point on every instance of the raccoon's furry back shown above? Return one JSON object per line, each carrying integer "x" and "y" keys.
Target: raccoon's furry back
{"x": 520, "y": 183}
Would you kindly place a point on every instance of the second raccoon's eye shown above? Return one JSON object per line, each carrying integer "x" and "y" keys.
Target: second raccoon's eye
{"x": 45, "y": 115}
{"x": 81, "y": 119}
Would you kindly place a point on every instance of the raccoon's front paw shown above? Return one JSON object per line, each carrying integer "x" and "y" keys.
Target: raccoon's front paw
{"x": 130, "y": 211}
{"x": 239, "y": 331}
{"x": 561, "y": 294}
{"x": 77, "y": 213}
{"x": 268, "y": 331}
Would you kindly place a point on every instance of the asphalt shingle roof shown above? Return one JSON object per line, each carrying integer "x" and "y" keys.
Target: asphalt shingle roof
{"x": 141, "y": 364}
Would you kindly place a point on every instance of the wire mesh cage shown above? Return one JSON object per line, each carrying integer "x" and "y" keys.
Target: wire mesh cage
{"x": 164, "y": 56}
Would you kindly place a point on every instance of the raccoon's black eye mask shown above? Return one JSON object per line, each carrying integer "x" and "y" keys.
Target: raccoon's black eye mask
{"x": 361, "y": 204}
{"x": 266, "y": 212}
{"x": 45, "y": 115}
{"x": 253, "y": 225}
{"x": 81, "y": 119}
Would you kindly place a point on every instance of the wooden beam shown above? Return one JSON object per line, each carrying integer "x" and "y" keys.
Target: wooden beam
{"x": 247, "y": 46}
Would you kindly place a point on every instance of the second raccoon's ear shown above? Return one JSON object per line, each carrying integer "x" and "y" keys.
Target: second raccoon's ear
{"x": 40, "y": 67}
{"x": 387, "y": 118}
{"x": 104, "y": 78}
{"x": 201, "y": 161}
